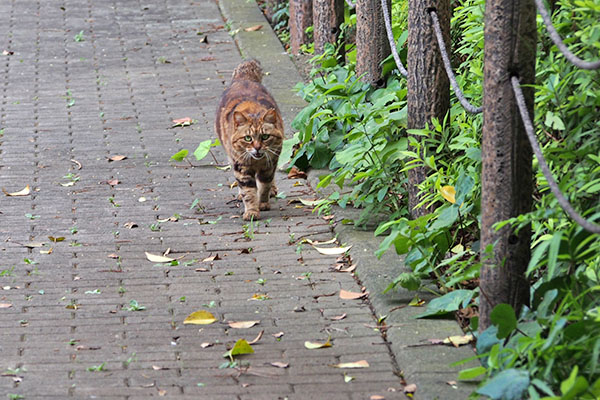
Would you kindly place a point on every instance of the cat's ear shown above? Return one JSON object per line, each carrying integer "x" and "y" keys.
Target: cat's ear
{"x": 270, "y": 116}
{"x": 239, "y": 118}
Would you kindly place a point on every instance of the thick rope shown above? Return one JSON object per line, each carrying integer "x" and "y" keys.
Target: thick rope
{"x": 578, "y": 62}
{"x": 390, "y": 36}
{"x": 562, "y": 200}
{"x": 442, "y": 46}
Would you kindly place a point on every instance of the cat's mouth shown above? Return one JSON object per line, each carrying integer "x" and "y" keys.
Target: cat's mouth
{"x": 256, "y": 155}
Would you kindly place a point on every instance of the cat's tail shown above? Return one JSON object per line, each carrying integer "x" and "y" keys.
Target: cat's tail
{"x": 248, "y": 70}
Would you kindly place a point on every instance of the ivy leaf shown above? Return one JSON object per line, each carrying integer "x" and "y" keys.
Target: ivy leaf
{"x": 241, "y": 347}
{"x": 204, "y": 148}
{"x": 180, "y": 155}
{"x": 509, "y": 384}
{"x": 503, "y": 316}
{"x": 447, "y": 303}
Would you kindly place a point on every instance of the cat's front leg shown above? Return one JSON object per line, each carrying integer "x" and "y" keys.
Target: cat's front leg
{"x": 265, "y": 184}
{"x": 247, "y": 185}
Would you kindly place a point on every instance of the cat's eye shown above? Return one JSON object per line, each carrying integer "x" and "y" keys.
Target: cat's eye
{"x": 248, "y": 138}
{"x": 264, "y": 136}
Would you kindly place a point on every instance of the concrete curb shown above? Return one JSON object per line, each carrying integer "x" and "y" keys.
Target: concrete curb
{"x": 426, "y": 366}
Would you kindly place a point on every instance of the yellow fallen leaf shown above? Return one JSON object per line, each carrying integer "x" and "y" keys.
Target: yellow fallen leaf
{"x": 355, "y": 364}
{"x": 158, "y": 258}
{"x": 332, "y": 251}
{"x": 242, "y": 324}
{"x": 317, "y": 345}
{"x": 459, "y": 340}
{"x": 200, "y": 317}
{"x": 253, "y": 28}
{"x": 240, "y": 347}
{"x": 23, "y": 192}
{"x": 449, "y": 193}
{"x": 346, "y": 295}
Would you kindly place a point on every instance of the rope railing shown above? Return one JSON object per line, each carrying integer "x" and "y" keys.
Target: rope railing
{"x": 578, "y": 62}
{"x": 442, "y": 46}
{"x": 562, "y": 200}
{"x": 391, "y": 40}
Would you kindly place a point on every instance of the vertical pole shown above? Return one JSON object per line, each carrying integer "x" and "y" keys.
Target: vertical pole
{"x": 507, "y": 183}
{"x": 428, "y": 85}
{"x": 372, "y": 46}
{"x": 300, "y": 19}
{"x": 328, "y": 15}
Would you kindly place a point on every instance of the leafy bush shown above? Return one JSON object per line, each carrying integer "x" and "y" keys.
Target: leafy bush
{"x": 359, "y": 132}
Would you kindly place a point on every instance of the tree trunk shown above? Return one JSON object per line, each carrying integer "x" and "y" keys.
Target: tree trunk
{"x": 327, "y": 18}
{"x": 428, "y": 85}
{"x": 372, "y": 46}
{"x": 507, "y": 182}
{"x": 300, "y": 19}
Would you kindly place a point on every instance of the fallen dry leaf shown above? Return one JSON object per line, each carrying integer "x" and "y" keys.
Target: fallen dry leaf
{"x": 339, "y": 317}
{"x": 253, "y": 28}
{"x": 157, "y": 368}
{"x": 187, "y": 121}
{"x": 280, "y": 364}
{"x": 348, "y": 269}
{"x": 158, "y": 258}
{"x": 278, "y": 335}
{"x": 295, "y": 173}
{"x": 117, "y": 157}
{"x": 212, "y": 258}
{"x": 5, "y": 305}
{"x": 257, "y": 338}
{"x": 31, "y": 245}
{"x": 49, "y": 251}
{"x": 376, "y": 397}
{"x": 242, "y": 324}
{"x": 79, "y": 166}
{"x": 162, "y": 392}
{"x": 113, "y": 255}
{"x": 23, "y": 192}
{"x": 113, "y": 182}
{"x": 67, "y": 184}
{"x": 355, "y": 364}
{"x": 317, "y": 345}
{"x": 410, "y": 388}
{"x": 316, "y": 242}
{"x": 346, "y": 295}
{"x": 200, "y": 317}
{"x": 332, "y": 251}
{"x": 206, "y": 344}
{"x": 130, "y": 225}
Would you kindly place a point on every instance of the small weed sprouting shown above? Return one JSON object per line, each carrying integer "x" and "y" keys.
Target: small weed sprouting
{"x": 97, "y": 368}
{"x": 135, "y": 306}
{"x": 79, "y": 37}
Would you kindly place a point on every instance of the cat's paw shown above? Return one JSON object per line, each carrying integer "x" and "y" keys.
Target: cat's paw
{"x": 264, "y": 206}
{"x": 251, "y": 215}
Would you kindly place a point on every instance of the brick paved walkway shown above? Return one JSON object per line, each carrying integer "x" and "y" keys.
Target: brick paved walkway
{"x": 80, "y": 82}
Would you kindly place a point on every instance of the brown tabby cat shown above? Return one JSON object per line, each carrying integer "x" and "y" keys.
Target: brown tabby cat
{"x": 250, "y": 128}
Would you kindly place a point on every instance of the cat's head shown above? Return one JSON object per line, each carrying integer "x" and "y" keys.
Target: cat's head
{"x": 257, "y": 134}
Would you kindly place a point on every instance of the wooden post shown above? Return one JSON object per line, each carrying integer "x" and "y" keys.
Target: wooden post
{"x": 372, "y": 46}
{"x": 300, "y": 19}
{"x": 328, "y": 15}
{"x": 507, "y": 182}
{"x": 428, "y": 85}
